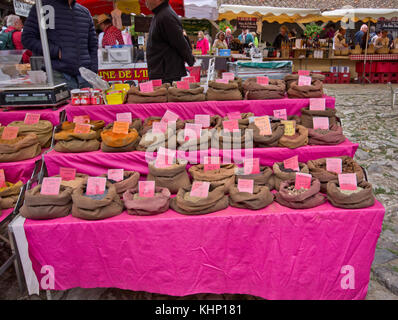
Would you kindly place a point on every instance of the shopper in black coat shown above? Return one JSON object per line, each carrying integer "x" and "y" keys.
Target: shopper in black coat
{"x": 72, "y": 40}
{"x": 167, "y": 49}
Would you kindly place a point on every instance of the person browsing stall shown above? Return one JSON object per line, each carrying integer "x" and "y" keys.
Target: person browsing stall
{"x": 339, "y": 41}
{"x": 203, "y": 43}
{"x": 281, "y": 37}
{"x": 112, "y": 35}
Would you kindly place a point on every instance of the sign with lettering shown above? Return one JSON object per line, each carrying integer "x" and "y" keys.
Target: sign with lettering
{"x": 211, "y": 163}
{"x": 303, "y": 180}
{"x": 264, "y": 124}
{"x": 124, "y": 117}
{"x": 246, "y": 185}
{"x": 121, "y": 127}
{"x": 95, "y": 185}
{"x": 334, "y": 165}
{"x": 203, "y": 119}
{"x": 67, "y": 174}
{"x": 280, "y": 114}
{"x": 292, "y": 163}
{"x": 138, "y": 74}
{"x": 317, "y": 104}
{"x": 146, "y": 189}
{"x": 10, "y": 133}
{"x": 321, "y": 123}
{"x": 200, "y": 189}
{"x": 251, "y": 166}
{"x": 348, "y": 181}
{"x": 32, "y": 118}
{"x": 50, "y": 186}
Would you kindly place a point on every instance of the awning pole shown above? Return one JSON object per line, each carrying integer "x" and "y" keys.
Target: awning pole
{"x": 366, "y": 54}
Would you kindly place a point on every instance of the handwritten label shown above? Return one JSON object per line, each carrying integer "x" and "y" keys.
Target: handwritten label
{"x": 146, "y": 87}
{"x": 10, "y": 133}
{"x": 157, "y": 83}
{"x": 211, "y": 163}
{"x": 304, "y": 72}
{"x": 317, "y": 104}
{"x": 2, "y": 179}
{"x": 159, "y": 127}
{"x": 81, "y": 119}
{"x": 183, "y": 85}
{"x": 67, "y": 174}
{"x": 264, "y": 124}
{"x": 230, "y": 125}
{"x": 192, "y": 131}
{"x": 292, "y": 163}
{"x": 228, "y": 76}
{"x": 234, "y": 115}
{"x": 304, "y": 81}
{"x": 280, "y": 114}
{"x": 245, "y": 185}
{"x": 251, "y": 166}
{"x": 348, "y": 181}
{"x": 200, "y": 189}
{"x": 50, "y": 186}
{"x": 95, "y": 185}
{"x": 32, "y": 118}
{"x": 169, "y": 116}
{"x": 303, "y": 180}
{"x": 321, "y": 123}
{"x": 121, "y": 127}
{"x": 263, "y": 81}
{"x": 225, "y": 81}
{"x": 203, "y": 119}
{"x": 334, "y": 165}
{"x": 290, "y": 127}
{"x": 165, "y": 158}
{"x": 116, "y": 174}
{"x": 146, "y": 189}
{"x": 124, "y": 117}
{"x": 82, "y": 128}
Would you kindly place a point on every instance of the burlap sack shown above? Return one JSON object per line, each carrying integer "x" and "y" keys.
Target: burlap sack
{"x": 73, "y": 184}
{"x": 139, "y": 206}
{"x": 307, "y": 116}
{"x": 88, "y": 208}
{"x": 136, "y": 124}
{"x": 190, "y": 95}
{"x": 225, "y": 176}
{"x": 215, "y": 122}
{"x": 9, "y": 194}
{"x": 244, "y": 121}
{"x": 290, "y": 78}
{"x": 203, "y": 143}
{"x": 153, "y": 141}
{"x": 130, "y": 181}
{"x": 261, "y": 141}
{"x": 173, "y": 177}
{"x": 254, "y": 91}
{"x": 148, "y": 122}
{"x": 261, "y": 198}
{"x": 353, "y": 200}
{"x": 68, "y": 141}
{"x": 298, "y": 140}
{"x": 282, "y": 174}
{"x": 68, "y": 135}
{"x": 43, "y": 130}
{"x": 135, "y": 96}
{"x": 318, "y": 170}
{"x": 9, "y": 202}
{"x": 242, "y": 139}
{"x": 264, "y": 178}
{"x": 119, "y": 142}
{"x": 96, "y": 125}
{"x": 42, "y": 207}
{"x": 185, "y": 204}
{"x": 333, "y": 136}
{"x": 223, "y": 91}
{"x": 306, "y": 200}
{"x": 21, "y": 148}
{"x": 315, "y": 90}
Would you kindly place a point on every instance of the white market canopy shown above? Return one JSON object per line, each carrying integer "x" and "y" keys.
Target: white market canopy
{"x": 201, "y": 9}
{"x": 359, "y": 14}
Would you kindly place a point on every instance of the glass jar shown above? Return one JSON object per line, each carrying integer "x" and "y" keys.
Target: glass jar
{"x": 75, "y": 97}
{"x": 96, "y": 97}
{"x": 85, "y": 97}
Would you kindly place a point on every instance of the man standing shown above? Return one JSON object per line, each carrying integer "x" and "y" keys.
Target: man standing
{"x": 72, "y": 41}
{"x": 228, "y": 37}
{"x": 245, "y": 37}
{"x": 167, "y": 49}
{"x": 360, "y": 36}
{"x": 281, "y": 37}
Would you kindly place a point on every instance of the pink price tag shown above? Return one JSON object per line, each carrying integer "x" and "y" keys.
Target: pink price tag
{"x": 146, "y": 87}
{"x": 263, "y": 81}
{"x": 211, "y": 163}
{"x": 146, "y": 189}
{"x": 157, "y": 83}
{"x": 280, "y": 114}
{"x": 165, "y": 158}
{"x": 190, "y": 79}
{"x": 303, "y": 180}
{"x": 81, "y": 119}
{"x": 203, "y": 119}
{"x": 226, "y": 81}
{"x": 124, "y": 117}
{"x": 200, "y": 189}
{"x": 95, "y": 185}
{"x": 304, "y": 81}
{"x": 10, "y": 133}
{"x": 32, "y": 118}
{"x": 183, "y": 85}
{"x": 292, "y": 163}
{"x": 245, "y": 185}
{"x": 304, "y": 72}
{"x": 169, "y": 116}
{"x": 159, "y": 127}
{"x": 251, "y": 166}
{"x": 348, "y": 181}
{"x": 230, "y": 125}
{"x": 234, "y": 115}
{"x": 2, "y": 179}
{"x": 116, "y": 174}
{"x": 228, "y": 76}
{"x": 67, "y": 174}
{"x": 321, "y": 123}
{"x": 50, "y": 186}
{"x": 317, "y": 104}
{"x": 192, "y": 131}
{"x": 334, "y": 165}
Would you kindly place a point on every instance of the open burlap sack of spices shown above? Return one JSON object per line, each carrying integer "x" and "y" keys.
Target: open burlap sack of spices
{"x": 276, "y": 89}
{"x": 201, "y": 143}
{"x": 259, "y": 199}
{"x": 290, "y": 78}
{"x": 172, "y": 177}
{"x": 184, "y": 203}
{"x": 9, "y": 194}
{"x": 298, "y": 140}
{"x": 223, "y": 91}
{"x": 96, "y": 125}
{"x": 263, "y": 141}
{"x": 244, "y": 120}
{"x": 315, "y": 90}
{"x": 43, "y": 130}
{"x": 148, "y": 123}
{"x": 242, "y": 139}
{"x": 21, "y": 148}
{"x": 307, "y": 116}
{"x": 119, "y": 142}
{"x": 281, "y": 174}
{"x": 141, "y": 206}
{"x": 225, "y": 176}
{"x": 215, "y": 122}
{"x": 134, "y": 95}
{"x": 38, "y": 206}
{"x": 333, "y": 136}
{"x": 195, "y": 93}
{"x": 96, "y": 207}
{"x": 290, "y": 197}
{"x": 264, "y": 178}
{"x": 79, "y": 179}
{"x": 130, "y": 181}
{"x": 362, "y": 197}
{"x": 318, "y": 170}
{"x": 68, "y": 141}
{"x": 153, "y": 141}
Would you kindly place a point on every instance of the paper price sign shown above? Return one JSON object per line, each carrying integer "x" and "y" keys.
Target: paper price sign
{"x": 183, "y": 85}
{"x": 82, "y": 128}
{"x": 159, "y": 127}
{"x": 321, "y": 123}
{"x": 348, "y": 181}
{"x": 234, "y": 116}
{"x": 50, "y": 186}
{"x": 200, "y": 189}
{"x": 157, "y": 83}
{"x": 95, "y": 185}
{"x": 165, "y": 158}
{"x": 317, "y": 104}
{"x": 226, "y": 81}
{"x": 2, "y": 179}
{"x": 303, "y": 180}
{"x": 116, "y": 174}
{"x": 81, "y": 119}
{"x": 211, "y": 163}
{"x": 10, "y": 133}
{"x": 192, "y": 131}
{"x": 67, "y": 174}
{"x": 228, "y": 76}
{"x": 169, "y": 116}
{"x": 251, "y": 166}
{"x": 334, "y": 165}
{"x": 203, "y": 119}
{"x": 290, "y": 127}
{"x": 263, "y": 81}
{"x": 245, "y": 185}
{"x": 264, "y": 124}
{"x": 121, "y": 127}
{"x": 230, "y": 125}
{"x": 190, "y": 79}
{"x": 146, "y": 189}
{"x": 304, "y": 72}
{"x": 124, "y": 117}
{"x": 146, "y": 87}
{"x": 32, "y": 118}
{"x": 304, "y": 81}
{"x": 280, "y": 114}
{"x": 292, "y": 163}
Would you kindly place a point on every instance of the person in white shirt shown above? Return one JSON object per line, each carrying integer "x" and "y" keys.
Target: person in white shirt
{"x": 339, "y": 41}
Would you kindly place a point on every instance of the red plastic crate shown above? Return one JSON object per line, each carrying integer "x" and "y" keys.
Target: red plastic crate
{"x": 368, "y": 67}
{"x": 344, "y": 78}
{"x": 394, "y": 77}
{"x": 394, "y": 67}
{"x": 383, "y": 66}
{"x": 334, "y": 77}
{"x": 385, "y": 77}
{"x": 375, "y": 77}
{"x": 194, "y": 72}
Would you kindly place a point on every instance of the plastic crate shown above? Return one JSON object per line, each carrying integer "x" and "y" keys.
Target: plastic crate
{"x": 334, "y": 77}
{"x": 383, "y": 66}
{"x": 194, "y": 72}
{"x": 394, "y": 77}
{"x": 368, "y": 67}
{"x": 327, "y": 77}
{"x": 384, "y": 77}
{"x": 344, "y": 78}
{"x": 394, "y": 67}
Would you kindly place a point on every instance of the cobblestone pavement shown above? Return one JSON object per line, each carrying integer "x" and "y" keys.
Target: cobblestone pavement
{"x": 367, "y": 119}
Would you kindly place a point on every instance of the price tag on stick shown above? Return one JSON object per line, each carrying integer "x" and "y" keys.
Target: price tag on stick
{"x": 211, "y": 163}
{"x": 10, "y": 133}
{"x": 280, "y": 114}
{"x": 82, "y": 128}
{"x": 264, "y": 124}
{"x": 317, "y": 104}
{"x": 116, "y": 174}
{"x": 348, "y": 181}
{"x": 203, "y": 119}
{"x": 32, "y": 118}
{"x": 304, "y": 81}
{"x": 230, "y": 125}
{"x": 234, "y": 115}
{"x": 263, "y": 81}
{"x": 246, "y": 185}
{"x": 124, "y": 117}
{"x": 95, "y": 185}
{"x": 321, "y": 123}
{"x": 334, "y": 165}
{"x": 50, "y": 186}
{"x": 290, "y": 127}
{"x": 121, "y": 127}
{"x": 200, "y": 189}
{"x": 292, "y": 163}
{"x": 146, "y": 189}
{"x": 304, "y": 72}
{"x": 146, "y": 87}
{"x": 251, "y": 166}
{"x": 183, "y": 85}
{"x": 67, "y": 174}
{"x": 2, "y": 179}
{"x": 303, "y": 180}
{"x": 81, "y": 119}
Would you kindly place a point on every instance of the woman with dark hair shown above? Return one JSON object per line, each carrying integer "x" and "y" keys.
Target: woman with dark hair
{"x": 220, "y": 42}
{"x": 112, "y": 35}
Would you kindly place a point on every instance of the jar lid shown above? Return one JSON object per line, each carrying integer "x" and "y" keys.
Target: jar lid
{"x": 75, "y": 91}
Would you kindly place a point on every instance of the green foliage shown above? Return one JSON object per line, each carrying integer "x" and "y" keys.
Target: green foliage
{"x": 223, "y": 25}
{"x": 192, "y": 27}
{"x": 312, "y": 31}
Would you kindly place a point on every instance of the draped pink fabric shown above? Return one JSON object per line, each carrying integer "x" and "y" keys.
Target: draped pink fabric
{"x": 7, "y": 117}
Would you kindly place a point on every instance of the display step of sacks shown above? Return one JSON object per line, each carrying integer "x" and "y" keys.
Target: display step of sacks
{"x": 194, "y": 94}
{"x": 143, "y": 206}
{"x": 362, "y": 197}
{"x": 307, "y": 116}
{"x": 43, "y": 129}
{"x": 264, "y": 178}
{"x": 119, "y": 142}
{"x": 282, "y": 174}
{"x": 259, "y": 199}
{"x": 173, "y": 177}
{"x": 23, "y": 147}
{"x": 333, "y": 136}
{"x": 135, "y": 96}
{"x": 276, "y": 89}
{"x": 223, "y": 91}
{"x": 290, "y": 78}
{"x": 67, "y": 141}
{"x": 9, "y": 194}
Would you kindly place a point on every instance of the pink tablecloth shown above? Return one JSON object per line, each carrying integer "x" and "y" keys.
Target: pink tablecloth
{"x": 51, "y": 115}
{"x": 274, "y": 253}
{"x": 96, "y": 163}
{"x": 187, "y": 110}
{"x": 5, "y": 213}
{"x": 20, "y": 170}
